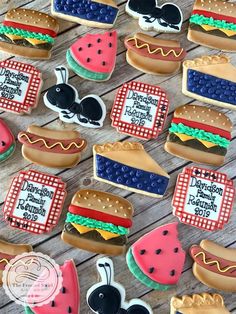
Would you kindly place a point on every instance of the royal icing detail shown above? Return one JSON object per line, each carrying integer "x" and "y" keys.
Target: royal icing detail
{"x": 108, "y": 296}
{"x": 20, "y": 85}
{"x": 89, "y": 111}
{"x": 93, "y": 56}
{"x": 157, "y": 259}
{"x": 34, "y": 201}
{"x": 7, "y": 142}
{"x": 203, "y": 198}
{"x": 165, "y": 18}
{"x": 140, "y": 110}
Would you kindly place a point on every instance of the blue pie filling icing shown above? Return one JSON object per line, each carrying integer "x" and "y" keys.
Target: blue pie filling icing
{"x": 87, "y": 10}
{"x": 119, "y": 173}
{"x": 211, "y": 87}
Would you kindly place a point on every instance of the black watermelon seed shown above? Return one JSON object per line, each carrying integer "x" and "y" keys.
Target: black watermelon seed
{"x": 89, "y": 45}
{"x": 110, "y": 34}
{"x": 3, "y": 143}
{"x": 88, "y": 59}
{"x": 142, "y": 252}
{"x": 151, "y": 270}
{"x": 110, "y": 45}
{"x": 99, "y": 40}
{"x": 165, "y": 232}
{"x": 158, "y": 251}
{"x": 63, "y": 290}
{"x": 176, "y": 250}
{"x": 69, "y": 310}
{"x": 80, "y": 49}
{"x": 172, "y": 273}
{"x": 99, "y": 51}
{"x": 53, "y": 304}
{"x": 103, "y": 63}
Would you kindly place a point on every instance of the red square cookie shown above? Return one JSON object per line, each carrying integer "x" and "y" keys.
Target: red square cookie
{"x": 34, "y": 201}
{"x": 140, "y": 110}
{"x": 203, "y": 198}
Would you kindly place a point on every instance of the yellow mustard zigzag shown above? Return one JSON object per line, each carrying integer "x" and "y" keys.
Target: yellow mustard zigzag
{"x": 53, "y": 145}
{"x": 215, "y": 262}
{"x": 155, "y": 50}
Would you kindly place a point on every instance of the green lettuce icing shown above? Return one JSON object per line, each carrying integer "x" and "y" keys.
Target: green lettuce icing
{"x": 203, "y": 20}
{"x": 136, "y": 271}
{"x": 25, "y": 34}
{"x": 28, "y": 310}
{"x": 92, "y": 223}
{"x": 8, "y": 153}
{"x": 199, "y": 134}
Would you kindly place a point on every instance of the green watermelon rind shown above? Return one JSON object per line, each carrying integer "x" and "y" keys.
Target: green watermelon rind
{"x": 28, "y": 310}
{"x": 84, "y": 73}
{"x": 8, "y": 153}
{"x": 136, "y": 271}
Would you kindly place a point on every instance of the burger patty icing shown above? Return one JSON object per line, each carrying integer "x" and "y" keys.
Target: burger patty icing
{"x": 212, "y": 31}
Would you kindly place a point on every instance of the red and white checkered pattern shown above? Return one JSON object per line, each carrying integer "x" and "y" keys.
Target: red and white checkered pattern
{"x": 34, "y": 87}
{"x": 181, "y": 194}
{"x": 54, "y": 212}
{"x": 136, "y": 130}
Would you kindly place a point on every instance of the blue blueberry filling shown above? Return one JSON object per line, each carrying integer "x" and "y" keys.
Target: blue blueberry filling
{"x": 119, "y": 173}
{"x": 87, "y": 10}
{"x": 211, "y": 87}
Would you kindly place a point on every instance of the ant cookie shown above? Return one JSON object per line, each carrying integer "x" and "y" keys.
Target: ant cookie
{"x": 93, "y": 57}
{"x": 213, "y": 24}
{"x": 152, "y": 55}
{"x": 198, "y": 303}
{"x": 108, "y": 296}
{"x": 68, "y": 300}
{"x": 199, "y": 134}
{"x": 157, "y": 258}
{"x": 28, "y": 33}
{"x": 140, "y": 110}
{"x": 34, "y": 201}
{"x": 128, "y": 166}
{"x": 7, "y": 142}
{"x": 89, "y": 111}
{"x": 203, "y": 198}
{"x": 93, "y": 13}
{"x": 210, "y": 79}
{"x": 167, "y": 18}
{"x": 214, "y": 265}
{"x": 52, "y": 148}
{"x": 9, "y": 251}
{"x": 20, "y": 86}
{"x": 98, "y": 222}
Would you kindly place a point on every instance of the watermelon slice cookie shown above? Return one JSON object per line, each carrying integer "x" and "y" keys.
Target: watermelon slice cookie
{"x": 68, "y": 300}
{"x": 157, "y": 259}
{"x": 93, "y": 56}
{"x": 7, "y": 142}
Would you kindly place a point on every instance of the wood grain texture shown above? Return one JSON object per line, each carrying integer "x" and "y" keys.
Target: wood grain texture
{"x": 149, "y": 212}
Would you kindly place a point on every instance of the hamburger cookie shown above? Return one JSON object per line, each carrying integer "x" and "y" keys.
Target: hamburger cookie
{"x": 199, "y": 134}
{"x": 98, "y": 222}
{"x": 28, "y": 33}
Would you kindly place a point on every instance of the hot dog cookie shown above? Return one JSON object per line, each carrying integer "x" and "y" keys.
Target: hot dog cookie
{"x": 7, "y": 142}
{"x": 28, "y": 33}
{"x": 198, "y": 303}
{"x": 128, "y": 166}
{"x": 52, "y": 148}
{"x": 210, "y": 79}
{"x": 152, "y": 55}
{"x": 214, "y": 265}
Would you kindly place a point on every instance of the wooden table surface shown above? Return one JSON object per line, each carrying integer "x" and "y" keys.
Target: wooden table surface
{"x": 149, "y": 212}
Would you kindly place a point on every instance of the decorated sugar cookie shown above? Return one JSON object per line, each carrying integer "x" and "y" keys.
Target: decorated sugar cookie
{"x": 198, "y": 303}
{"x": 20, "y": 86}
{"x": 28, "y": 33}
{"x": 93, "y": 57}
{"x": 52, "y": 148}
{"x": 99, "y": 13}
{"x": 157, "y": 258}
{"x": 140, "y": 110}
{"x": 108, "y": 296}
{"x": 214, "y": 265}
{"x": 34, "y": 201}
{"x": 203, "y": 198}
{"x": 98, "y": 222}
{"x": 199, "y": 134}
{"x": 128, "y": 166}
{"x": 89, "y": 111}
{"x": 7, "y": 142}
{"x": 166, "y": 18}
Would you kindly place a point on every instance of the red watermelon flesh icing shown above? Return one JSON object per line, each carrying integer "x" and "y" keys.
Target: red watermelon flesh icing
{"x": 6, "y": 137}
{"x": 159, "y": 254}
{"x": 68, "y": 300}
{"x": 96, "y": 52}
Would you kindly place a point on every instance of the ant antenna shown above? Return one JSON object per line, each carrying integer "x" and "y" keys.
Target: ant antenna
{"x": 103, "y": 266}
{"x": 63, "y": 78}
{"x": 109, "y": 266}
